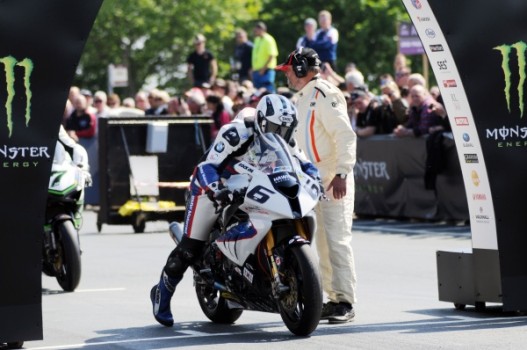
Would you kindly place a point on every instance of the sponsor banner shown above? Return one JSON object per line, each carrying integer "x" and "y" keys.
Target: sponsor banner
{"x": 459, "y": 111}
{"x": 409, "y": 42}
{"x": 390, "y": 181}
{"x": 488, "y": 46}
{"x": 37, "y": 63}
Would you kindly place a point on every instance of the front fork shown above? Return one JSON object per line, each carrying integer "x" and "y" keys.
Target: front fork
{"x": 51, "y": 245}
{"x": 278, "y": 287}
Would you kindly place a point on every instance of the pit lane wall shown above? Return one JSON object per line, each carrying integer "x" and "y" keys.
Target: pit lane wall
{"x": 477, "y": 51}
{"x": 41, "y": 45}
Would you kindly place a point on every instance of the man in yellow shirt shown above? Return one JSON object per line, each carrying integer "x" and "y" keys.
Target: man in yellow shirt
{"x": 265, "y": 52}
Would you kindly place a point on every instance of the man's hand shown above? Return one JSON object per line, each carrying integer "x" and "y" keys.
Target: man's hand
{"x": 221, "y": 197}
{"x": 401, "y": 131}
{"x": 87, "y": 178}
{"x": 339, "y": 187}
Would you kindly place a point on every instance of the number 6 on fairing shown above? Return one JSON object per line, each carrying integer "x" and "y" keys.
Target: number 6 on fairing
{"x": 260, "y": 194}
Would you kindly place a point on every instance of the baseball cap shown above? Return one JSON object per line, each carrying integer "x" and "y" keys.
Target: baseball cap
{"x": 86, "y": 92}
{"x": 260, "y": 25}
{"x": 357, "y": 93}
{"x": 199, "y": 38}
{"x": 309, "y": 54}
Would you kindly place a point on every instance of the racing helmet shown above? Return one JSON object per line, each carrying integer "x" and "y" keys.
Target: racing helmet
{"x": 276, "y": 114}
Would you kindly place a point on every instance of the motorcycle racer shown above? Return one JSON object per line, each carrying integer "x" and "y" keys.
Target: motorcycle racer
{"x": 78, "y": 154}
{"x": 273, "y": 114}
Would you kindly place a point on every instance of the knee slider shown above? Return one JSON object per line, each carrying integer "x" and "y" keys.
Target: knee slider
{"x": 175, "y": 267}
{"x": 186, "y": 252}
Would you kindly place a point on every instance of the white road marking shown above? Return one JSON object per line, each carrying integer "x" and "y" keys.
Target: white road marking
{"x": 99, "y": 290}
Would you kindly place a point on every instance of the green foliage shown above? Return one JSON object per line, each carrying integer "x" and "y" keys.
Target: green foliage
{"x": 153, "y": 38}
{"x": 367, "y": 30}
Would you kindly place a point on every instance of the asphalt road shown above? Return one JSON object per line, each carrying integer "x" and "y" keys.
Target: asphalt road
{"x": 398, "y": 304}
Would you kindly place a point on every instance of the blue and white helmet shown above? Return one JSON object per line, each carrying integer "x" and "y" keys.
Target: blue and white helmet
{"x": 276, "y": 114}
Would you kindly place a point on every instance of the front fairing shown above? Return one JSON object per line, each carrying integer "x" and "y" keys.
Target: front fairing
{"x": 278, "y": 184}
{"x": 274, "y": 187}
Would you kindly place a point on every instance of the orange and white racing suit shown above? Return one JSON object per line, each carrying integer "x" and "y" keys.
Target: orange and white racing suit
{"x": 326, "y": 137}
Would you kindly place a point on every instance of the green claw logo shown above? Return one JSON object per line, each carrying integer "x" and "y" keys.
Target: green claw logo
{"x": 10, "y": 63}
{"x": 520, "y": 47}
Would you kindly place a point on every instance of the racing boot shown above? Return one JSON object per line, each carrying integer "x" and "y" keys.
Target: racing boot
{"x": 161, "y": 294}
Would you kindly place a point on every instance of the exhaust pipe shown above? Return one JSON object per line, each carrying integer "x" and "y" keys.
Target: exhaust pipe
{"x": 176, "y": 231}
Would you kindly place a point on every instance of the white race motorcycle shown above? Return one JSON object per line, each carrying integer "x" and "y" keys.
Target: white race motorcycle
{"x": 272, "y": 269}
{"x": 61, "y": 254}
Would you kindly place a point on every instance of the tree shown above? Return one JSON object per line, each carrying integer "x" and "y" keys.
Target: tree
{"x": 154, "y": 37}
{"x": 367, "y": 29}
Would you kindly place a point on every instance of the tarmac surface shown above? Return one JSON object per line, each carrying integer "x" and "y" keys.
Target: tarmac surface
{"x": 398, "y": 304}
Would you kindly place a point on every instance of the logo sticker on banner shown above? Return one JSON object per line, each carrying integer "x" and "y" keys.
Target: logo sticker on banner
{"x": 520, "y": 47}
{"x": 21, "y": 156}
{"x": 475, "y": 178}
{"x": 417, "y": 4}
{"x": 466, "y": 139}
{"x": 449, "y": 83}
{"x": 430, "y": 33}
{"x": 10, "y": 63}
{"x": 436, "y": 48}
{"x": 461, "y": 121}
{"x": 443, "y": 66}
{"x": 471, "y": 158}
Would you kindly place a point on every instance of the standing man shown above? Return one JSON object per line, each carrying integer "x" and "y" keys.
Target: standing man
{"x": 202, "y": 66}
{"x": 326, "y": 136}
{"x": 326, "y": 39}
{"x": 264, "y": 57}
{"x": 310, "y": 28}
{"x": 242, "y": 56}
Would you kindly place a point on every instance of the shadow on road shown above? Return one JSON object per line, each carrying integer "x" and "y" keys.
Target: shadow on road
{"x": 207, "y": 333}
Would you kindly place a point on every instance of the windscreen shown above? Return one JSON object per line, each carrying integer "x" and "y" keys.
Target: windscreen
{"x": 269, "y": 154}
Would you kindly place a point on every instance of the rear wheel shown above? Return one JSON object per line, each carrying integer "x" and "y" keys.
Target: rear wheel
{"x": 68, "y": 266}
{"x": 301, "y": 306}
{"x": 214, "y": 306}
{"x": 139, "y": 223}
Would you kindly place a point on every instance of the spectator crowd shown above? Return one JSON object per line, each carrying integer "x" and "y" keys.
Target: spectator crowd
{"x": 403, "y": 105}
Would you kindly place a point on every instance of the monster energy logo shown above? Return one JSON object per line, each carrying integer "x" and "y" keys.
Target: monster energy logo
{"x": 10, "y": 63}
{"x": 520, "y": 47}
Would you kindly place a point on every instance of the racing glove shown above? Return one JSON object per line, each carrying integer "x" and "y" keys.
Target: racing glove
{"x": 219, "y": 194}
{"x": 223, "y": 196}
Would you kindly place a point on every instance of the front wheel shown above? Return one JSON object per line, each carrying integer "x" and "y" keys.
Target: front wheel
{"x": 214, "y": 306}
{"x": 301, "y": 305}
{"x": 68, "y": 268}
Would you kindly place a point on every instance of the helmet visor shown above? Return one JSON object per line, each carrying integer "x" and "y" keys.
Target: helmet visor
{"x": 282, "y": 130}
